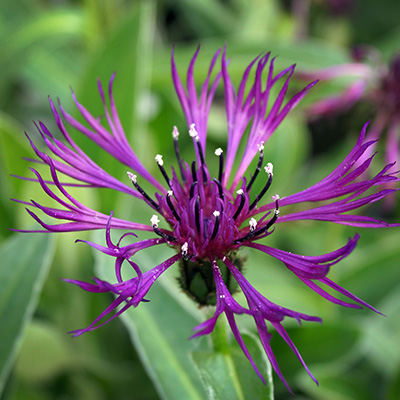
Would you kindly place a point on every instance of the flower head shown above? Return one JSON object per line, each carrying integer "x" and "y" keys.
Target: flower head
{"x": 210, "y": 214}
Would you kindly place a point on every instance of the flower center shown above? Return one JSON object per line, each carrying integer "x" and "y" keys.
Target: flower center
{"x": 205, "y": 217}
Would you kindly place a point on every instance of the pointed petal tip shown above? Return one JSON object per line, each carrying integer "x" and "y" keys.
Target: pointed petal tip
{"x": 77, "y": 332}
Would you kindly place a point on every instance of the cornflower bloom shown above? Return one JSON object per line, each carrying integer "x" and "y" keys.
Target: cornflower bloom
{"x": 374, "y": 83}
{"x": 210, "y": 215}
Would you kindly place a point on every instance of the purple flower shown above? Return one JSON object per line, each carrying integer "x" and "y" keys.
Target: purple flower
{"x": 374, "y": 83}
{"x": 210, "y": 215}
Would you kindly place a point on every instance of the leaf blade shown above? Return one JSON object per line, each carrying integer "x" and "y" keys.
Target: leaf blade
{"x": 20, "y": 287}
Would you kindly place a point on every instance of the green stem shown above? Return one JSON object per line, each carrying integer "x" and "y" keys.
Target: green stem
{"x": 220, "y": 338}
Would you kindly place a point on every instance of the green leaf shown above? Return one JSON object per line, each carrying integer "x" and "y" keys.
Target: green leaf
{"x": 229, "y": 375}
{"x": 382, "y": 334}
{"x": 56, "y": 25}
{"x": 160, "y": 330}
{"x": 44, "y": 354}
{"x": 25, "y": 262}
{"x": 128, "y": 53}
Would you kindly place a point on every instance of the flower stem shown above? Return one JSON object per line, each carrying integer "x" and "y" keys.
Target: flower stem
{"x": 219, "y": 337}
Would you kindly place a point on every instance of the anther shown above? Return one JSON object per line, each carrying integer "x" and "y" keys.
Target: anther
{"x": 160, "y": 163}
{"x": 258, "y": 168}
{"x": 175, "y": 135}
{"x": 159, "y": 159}
{"x": 154, "y": 222}
{"x": 216, "y": 225}
{"x": 253, "y": 224}
{"x": 132, "y": 177}
{"x": 242, "y": 201}
{"x": 151, "y": 202}
{"x": 171, "y": 206}
{"x": 252, "y": 231}
{"x": 275, "y": 199}
{"x": 269, "y": 170}
{"x": 220, "y": 153}
{"x": 194, "y": 172}
{"x": 193, "y": 133}
{"x": 184, "y": 250}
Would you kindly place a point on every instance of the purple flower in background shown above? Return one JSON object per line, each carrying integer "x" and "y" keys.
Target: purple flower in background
{"x": 374, "y": 83}
{"x": 209, "y": 215}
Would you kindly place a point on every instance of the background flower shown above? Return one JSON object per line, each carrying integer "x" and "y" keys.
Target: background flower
{"x": 374, "y": 85}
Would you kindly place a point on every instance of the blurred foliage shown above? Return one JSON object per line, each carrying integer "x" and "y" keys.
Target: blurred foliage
{"x": 49, "y": 46}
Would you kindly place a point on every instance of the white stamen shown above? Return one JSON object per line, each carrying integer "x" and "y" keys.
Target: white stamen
{"x": 154, "y": 221}
{"x": 239, "y": 192}
{"x": 216, "y": 214}
{"x": 170, "y": 192}
{"x": 185, "y": 247}
{"x": 218, "y": 152}
{"x": 269, "y": 168}
{"x": 193, "y": 133}
{"x": 253, "y": 224}
{"x": 132, "y": 177}
{"x": 276, "y": 212}
{"x": 276, "y": 197}
{"x": 260, "y": 146}
{"x": 175, "y": 133}
{"x": 159, "y": 159}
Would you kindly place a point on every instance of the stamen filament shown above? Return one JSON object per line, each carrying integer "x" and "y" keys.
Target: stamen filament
{"x": 175, "y": 135}
{"x": 219, "y": 152}
{"x": 197, "y": 213}
{"x": 194, "y": 172}
{"x": 270, "y": 223}
{"x": 242, "y": 201}
{"x": 193, "y": 133}
{"x": 154, "y": 221}
{"x": 258, "y": 168}
{"x": 216, "y": 225}
{"x": 199, "y": 148}
{"x": 171, "y": 206}
{"x": 220, "y": 189}
{"x": 253, "y": 225}
{"x": 272, "y": 220}
{"x": 268, "y": 169}
{"x": 152, "y": 203}
{"x": 160, "y": 164}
